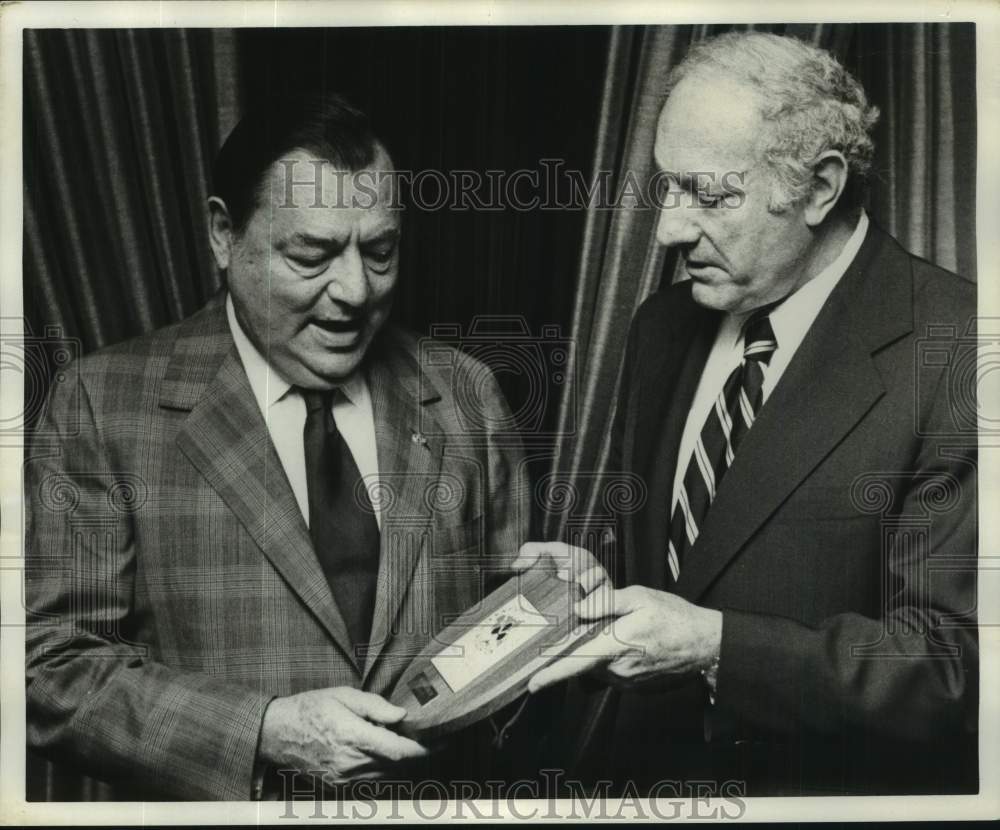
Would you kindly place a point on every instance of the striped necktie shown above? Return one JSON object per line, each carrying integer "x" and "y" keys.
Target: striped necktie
{"x": 727, "y": 423}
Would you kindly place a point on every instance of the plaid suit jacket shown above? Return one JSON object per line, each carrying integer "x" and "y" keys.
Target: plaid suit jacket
{"x": 171, "y": 584}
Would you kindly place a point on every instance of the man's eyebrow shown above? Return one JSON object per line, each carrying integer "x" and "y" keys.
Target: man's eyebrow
{"x": 309, "y": 239}
{"x": 328, "y": 243}
{"x": 385, "y": 235}
{"x": 699, "y": 180}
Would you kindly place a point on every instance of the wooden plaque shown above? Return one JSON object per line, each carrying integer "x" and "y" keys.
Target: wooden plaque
{"x": 484, "y": 659}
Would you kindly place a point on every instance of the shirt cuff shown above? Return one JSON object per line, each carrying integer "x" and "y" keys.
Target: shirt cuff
{"x": 257, "y": 785}
{"x": 711, "y": 676}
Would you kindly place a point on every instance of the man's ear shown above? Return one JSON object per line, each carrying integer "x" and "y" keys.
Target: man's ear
{"x": 829, "y": 181}
{"x": 220, "y": 232}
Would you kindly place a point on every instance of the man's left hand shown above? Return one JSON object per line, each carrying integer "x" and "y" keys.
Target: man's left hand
{"x": 654, "y": 635}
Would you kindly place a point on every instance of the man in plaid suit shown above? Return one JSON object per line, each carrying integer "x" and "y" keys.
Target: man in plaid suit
{"x": 187, "y": 636}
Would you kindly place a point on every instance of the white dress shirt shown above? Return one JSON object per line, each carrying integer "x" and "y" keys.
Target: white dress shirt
{"x": 284, "y": 412}
{"x": 790, "y": 320}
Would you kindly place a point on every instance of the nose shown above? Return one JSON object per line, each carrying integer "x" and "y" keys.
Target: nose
{"x": 676, "y": 225}
{"x": 348, "y": 283}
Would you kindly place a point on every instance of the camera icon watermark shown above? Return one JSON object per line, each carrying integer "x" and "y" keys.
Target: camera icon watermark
{"x": 962, "y": 364}
{"x": 35, "y": 363}
{"x": 535, "y": 371}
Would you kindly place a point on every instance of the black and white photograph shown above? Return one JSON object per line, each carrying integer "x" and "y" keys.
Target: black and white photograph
{"x": 578, "y": 415}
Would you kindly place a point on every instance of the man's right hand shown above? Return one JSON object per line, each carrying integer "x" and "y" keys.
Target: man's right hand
{"x": 340, "y": 732}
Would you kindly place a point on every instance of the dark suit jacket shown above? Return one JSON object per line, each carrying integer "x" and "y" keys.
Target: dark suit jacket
{"x": 172, "y": 586}
{"x": 841, "y": 546}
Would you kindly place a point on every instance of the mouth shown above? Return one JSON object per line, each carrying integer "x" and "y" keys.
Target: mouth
{"x": 697, "y": 268}
{"x": 340, "y": 333}
{"x": 340, "y": 326}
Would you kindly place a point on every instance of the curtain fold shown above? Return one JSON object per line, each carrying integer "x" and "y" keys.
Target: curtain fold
{"x": 925, "y": 186}
{"x": 136, "y": 245}
{"x": 620, "y": 264}
{"x": 125, "y": 204}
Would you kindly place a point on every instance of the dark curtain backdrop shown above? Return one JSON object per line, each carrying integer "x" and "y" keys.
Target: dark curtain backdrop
{"x": 120, "y": 128}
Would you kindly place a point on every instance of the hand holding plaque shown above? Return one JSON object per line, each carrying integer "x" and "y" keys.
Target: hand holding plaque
{"x": 648, "y": 639}
{"x": 485, "y": 658}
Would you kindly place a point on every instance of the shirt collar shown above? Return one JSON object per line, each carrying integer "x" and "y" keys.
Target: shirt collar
{"x": 267, "y": 384}
{"x": 792, "y": 318}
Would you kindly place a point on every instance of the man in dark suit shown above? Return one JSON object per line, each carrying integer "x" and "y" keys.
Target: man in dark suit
{"x": 796, "y": 610}
{"x": 248, "y": 523}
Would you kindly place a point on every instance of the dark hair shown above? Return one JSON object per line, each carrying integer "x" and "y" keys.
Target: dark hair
{"x": 324, "y": 124}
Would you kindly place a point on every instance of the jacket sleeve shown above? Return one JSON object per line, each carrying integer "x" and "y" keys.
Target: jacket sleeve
{"x": 615, "y": 560}
{"x": 96, "y": 697}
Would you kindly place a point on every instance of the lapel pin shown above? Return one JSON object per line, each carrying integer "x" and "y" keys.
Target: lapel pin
{"x": 417, "y": 438}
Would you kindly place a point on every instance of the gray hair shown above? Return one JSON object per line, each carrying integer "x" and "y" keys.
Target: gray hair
{"x": 809, "y": 103}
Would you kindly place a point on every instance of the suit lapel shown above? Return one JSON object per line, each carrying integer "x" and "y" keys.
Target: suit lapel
{"x": 669, "y": 347}
{"x": 670, "y": 367}
{"x": 226, "y": 439}
{"x": 410, "y": 452}
{"x": 827, "y": 388}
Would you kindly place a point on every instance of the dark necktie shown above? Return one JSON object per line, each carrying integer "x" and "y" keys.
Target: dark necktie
{"x": 727, "y": 424}
{"x": 342, "y": 522}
